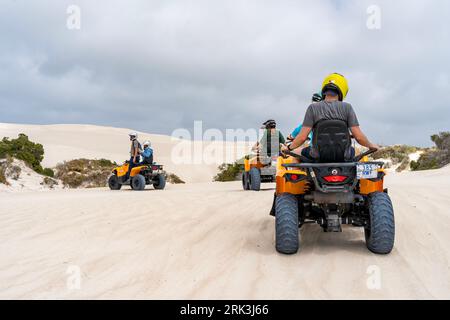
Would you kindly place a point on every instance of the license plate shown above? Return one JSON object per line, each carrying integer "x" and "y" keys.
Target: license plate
{"x": 366, "y": 171}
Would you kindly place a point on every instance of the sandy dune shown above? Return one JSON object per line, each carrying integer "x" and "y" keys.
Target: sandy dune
{"x": 212, "y": 240}
{"x": 68, "y": 142}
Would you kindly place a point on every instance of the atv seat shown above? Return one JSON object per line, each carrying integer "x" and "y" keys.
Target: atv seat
{"x": 332, "y": 142}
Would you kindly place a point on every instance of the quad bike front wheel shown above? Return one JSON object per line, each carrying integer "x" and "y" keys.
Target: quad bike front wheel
{"x": 286, "y": 224}
{"x": 380, "y": 232}
{"x": 255, "y": 179}
{"x": 113, "y": 182}
{"x": 138, "y": 182}
{"x": 160, "y": 183}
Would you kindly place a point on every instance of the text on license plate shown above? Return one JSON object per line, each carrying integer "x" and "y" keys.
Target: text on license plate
{"x": 366, "y": 171}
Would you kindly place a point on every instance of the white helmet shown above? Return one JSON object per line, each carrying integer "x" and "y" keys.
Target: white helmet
{"x": 147, "y": 143}
{"x": 133, "y": 134}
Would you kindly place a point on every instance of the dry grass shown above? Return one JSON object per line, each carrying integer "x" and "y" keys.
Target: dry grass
{"x": 5, "y": 167}
{"x": 174, "y": 179}
{"x": 84, "y": 173}
{"x": 397, "y": 153}
{"x": 3, "y": 175}
{"x": 49, "y": 182}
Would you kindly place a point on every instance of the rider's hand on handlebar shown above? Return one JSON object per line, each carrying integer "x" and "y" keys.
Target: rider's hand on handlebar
{"x": 284, "y": 148}
{"x": 374, "y": 146}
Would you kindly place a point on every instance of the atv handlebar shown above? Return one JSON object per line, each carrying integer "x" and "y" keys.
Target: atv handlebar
{"x": 362, "y": 155}
{"x": 296, "y": 155}
{"x": 307, "y": 160}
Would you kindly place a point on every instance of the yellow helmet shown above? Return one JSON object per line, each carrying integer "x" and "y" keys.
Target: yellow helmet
{"x": 337, "y": 82}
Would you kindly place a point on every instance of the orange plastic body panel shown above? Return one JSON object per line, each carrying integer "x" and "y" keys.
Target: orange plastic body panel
{"x": 284, "y": 186}
{"x": 122, "y": 170}
{"x": 367, "y": 187}
{"x": 252, "y": 163}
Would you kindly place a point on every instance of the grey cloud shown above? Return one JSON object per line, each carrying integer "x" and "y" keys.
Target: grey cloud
{"x": 159, "y": 65}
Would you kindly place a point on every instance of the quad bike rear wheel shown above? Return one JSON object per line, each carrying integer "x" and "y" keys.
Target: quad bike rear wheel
{"x": 160, "y": 183}
{"x": 245, "y": 181}
{"x": 255, "y": 179}
{"x": 380, "y": 233}
{"x": 113, "y": 182}
{"x": 286, "y": 224}
{"x": 138, "y": 182}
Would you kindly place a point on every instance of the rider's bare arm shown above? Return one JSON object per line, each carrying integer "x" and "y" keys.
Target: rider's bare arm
{"x": 362, "y": 139}
{"x": 301, "y": 138}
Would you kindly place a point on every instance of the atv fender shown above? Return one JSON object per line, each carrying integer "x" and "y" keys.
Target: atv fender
{"x": 284, "y": 183}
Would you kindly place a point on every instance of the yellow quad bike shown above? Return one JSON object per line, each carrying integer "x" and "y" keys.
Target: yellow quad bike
{"x": 140, "y": 176}
{"x": 336, "y": 190}
{"x": 257, "y": 172}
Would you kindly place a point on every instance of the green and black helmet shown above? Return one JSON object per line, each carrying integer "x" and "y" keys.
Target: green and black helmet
{"x": 270, "y": 124}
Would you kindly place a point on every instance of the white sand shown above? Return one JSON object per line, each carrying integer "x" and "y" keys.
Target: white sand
{"x": 213, "y": 240}
{"x": 28, "y": 180}
{"x": 204, "y": 240}
{"x": 68, "y": 142}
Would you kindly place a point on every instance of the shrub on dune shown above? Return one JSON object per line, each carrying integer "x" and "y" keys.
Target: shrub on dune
{"x": 229, "y": 172}
{"x": 437, "y": 157}
{"x": 28, "y": 151}
{"x": 174, "y": 179}
{"x": 397, "y": 153}
{"x": 85, "y": 173}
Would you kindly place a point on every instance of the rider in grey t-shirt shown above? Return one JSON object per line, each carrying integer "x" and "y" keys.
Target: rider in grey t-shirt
{"x": 334, "y": 91}
{"x": 330, "y": 110}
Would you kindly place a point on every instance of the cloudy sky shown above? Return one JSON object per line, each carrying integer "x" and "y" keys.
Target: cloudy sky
{"x": 159, "y": 65}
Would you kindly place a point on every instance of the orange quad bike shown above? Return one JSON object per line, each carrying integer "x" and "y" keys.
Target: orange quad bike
{"x": 140, "y": 176}
{"x": 335, "y": 189}
{"x": 257, "y": 172}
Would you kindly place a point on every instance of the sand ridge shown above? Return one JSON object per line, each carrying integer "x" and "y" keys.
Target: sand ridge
{"x": 64, "y": 142}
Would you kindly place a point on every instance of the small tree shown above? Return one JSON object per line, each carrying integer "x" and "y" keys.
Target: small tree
{"x": 229, "y": 172}
{"x": 435, "y": 159}
{"x": 442, "y": 140}
{"x": 23, "y": 149}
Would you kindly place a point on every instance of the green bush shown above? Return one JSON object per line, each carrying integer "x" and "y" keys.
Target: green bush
{"x": 23, "y": 149}
{"x": 105, "y": 163}
{"x": 442, "y": 140}
{"x": 3, "y": 174}
{"x": 434, "y": 158}
{"x": 403, "y": 165}
{"x": 430, "y": 160}
{"x": 48, "y": 172}
{"x": 9, "y": 170}
{"x": 229, "y": 172}
{"x": 84, "y": 173}
{"x": 397, "y": 153}
{"x": 49, "y": 182}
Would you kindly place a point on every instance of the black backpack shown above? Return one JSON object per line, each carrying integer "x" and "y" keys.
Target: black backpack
{"x": 331, "y": 142}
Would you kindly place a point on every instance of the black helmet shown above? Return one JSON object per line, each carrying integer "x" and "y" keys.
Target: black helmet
{"x": 317, "y": 97}
{"x": 270, "y": 124}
